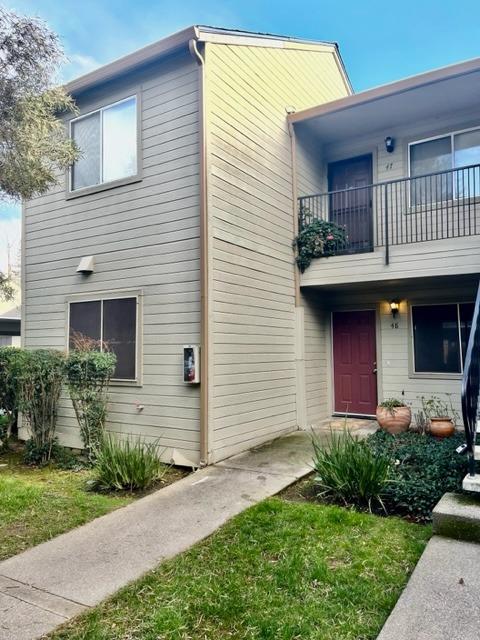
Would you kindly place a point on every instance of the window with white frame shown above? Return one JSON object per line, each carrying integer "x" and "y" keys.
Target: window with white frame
{"x": 112, "y": 324}
{"x": 440, "y": 336}
{"x": 444, "y": 154}
{"x": 107, "y": 139}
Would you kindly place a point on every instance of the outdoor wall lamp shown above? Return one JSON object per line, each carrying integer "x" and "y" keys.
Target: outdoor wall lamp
{"x": 394, "y": 308}
{"x": 389, "y": 144}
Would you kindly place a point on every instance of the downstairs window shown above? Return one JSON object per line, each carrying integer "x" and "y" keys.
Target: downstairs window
{"x": 112, "y": 324}
{"x": 440, "y": 336}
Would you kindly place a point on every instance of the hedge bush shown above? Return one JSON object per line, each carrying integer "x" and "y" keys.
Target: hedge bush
{"x": 88, "y": 373}
{"x": 40, "y": 378}
{"x": 423, "y": 469}
{"x": 11, "y": 364}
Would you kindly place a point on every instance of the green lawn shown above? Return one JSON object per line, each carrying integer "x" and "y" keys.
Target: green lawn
{"x": 281, "y": 570}
{"x": 39, "y": 503}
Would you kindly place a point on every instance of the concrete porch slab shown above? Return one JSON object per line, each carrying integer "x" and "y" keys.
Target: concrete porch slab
{"x": 458, "y": 516}
{"x": 441, "y": 600}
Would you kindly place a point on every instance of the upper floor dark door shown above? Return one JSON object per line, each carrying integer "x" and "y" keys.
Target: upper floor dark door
{"x": 352, "y": 209}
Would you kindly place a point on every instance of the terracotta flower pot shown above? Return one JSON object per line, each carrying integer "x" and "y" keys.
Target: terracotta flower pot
{"x": 395, "y": 420}
{"x": 442, "y": 427}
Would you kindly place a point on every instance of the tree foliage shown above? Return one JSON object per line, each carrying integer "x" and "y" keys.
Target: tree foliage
{"x": 34, "y": 146}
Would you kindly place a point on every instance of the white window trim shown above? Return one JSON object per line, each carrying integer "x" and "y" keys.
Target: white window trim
{"x": 106, "y": 184}
{"x": 439, "y": 374}
{"x": 117, "y": 296}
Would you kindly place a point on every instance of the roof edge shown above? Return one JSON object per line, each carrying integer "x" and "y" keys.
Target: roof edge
{"x": 389, "y": 89}
{"x": 131, "y": 61}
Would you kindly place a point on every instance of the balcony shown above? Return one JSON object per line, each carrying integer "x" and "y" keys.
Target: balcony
{"x": 378, "y": 217}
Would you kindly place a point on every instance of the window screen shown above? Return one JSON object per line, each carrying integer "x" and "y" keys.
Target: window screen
{"x": 430, "y": 157}
{"x": 85, "y": 321}
{"x": 117, "y": 332}
{"x": 86, "y": 133}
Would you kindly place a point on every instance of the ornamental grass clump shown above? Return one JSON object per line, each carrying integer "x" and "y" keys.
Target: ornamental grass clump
{"x": 88, "y": 373}
{"x": 127, "y": 465}
{"x": 349, "y": 472}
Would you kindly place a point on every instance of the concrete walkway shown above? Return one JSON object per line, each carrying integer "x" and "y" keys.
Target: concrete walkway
{"x": 48, "y": 584}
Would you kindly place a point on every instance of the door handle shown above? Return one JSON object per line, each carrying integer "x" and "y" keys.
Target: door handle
{"x": 374, "y": 370}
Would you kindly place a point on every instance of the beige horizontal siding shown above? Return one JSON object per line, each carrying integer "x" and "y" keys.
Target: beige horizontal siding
{"x": 144, "y": 236}
{"x": 253, "y": 397}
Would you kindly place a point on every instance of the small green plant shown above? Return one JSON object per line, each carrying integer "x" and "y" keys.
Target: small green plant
{"x": 435, "y": 407}
{"x": 317, "y": 239}
{"x": 391, "y": 404}
{"x": 40, "y": 380}
{"x": 349, "y": 472}
{"x": 423, "y": 469}
{"x": 88, "y": 373}
{"x": 127, "y": 465}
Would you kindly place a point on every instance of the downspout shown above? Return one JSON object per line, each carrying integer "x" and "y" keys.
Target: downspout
{"x": 300, "y": 380}
{"x": 205, "y": 439}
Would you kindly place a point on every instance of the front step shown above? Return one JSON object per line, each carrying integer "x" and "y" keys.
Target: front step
{"x": 458, "y": 516}
{"x": 471, "y": 483}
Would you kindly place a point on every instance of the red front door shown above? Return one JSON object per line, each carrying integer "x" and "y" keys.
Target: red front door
{"x": 354, "y": 362}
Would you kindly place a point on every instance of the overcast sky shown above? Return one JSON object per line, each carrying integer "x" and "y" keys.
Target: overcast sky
{"x": 380, "y": 41}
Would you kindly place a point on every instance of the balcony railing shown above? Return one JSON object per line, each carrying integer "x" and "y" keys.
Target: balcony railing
{"x": 435, "y": 206}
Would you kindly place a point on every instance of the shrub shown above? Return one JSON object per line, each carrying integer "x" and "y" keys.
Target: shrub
{"x": 317, "y": 239}
{"x": 40, "y": 380}
{"x": 88, "y": 374}
{"x": 127, "y": 464}
{"x": 349, "y": 471}
{"x": 424, "y": 468}
{"x": 10, "y": 368}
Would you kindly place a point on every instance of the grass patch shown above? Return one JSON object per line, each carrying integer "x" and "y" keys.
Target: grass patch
{"x": 279, "y": 571}
{"x": 39, "y": 503}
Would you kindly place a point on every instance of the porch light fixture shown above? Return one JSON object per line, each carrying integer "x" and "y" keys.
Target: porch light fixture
{"x": 389, "y": 144}
{"x": 394, "y": 308}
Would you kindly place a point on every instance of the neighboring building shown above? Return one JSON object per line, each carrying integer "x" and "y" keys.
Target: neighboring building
{"x": 184, "y": 199}
{"x": 180, "y": 218}
{"x": 10, "y": 328}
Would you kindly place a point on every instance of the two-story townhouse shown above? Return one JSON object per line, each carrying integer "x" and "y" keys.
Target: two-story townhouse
{"x": 398, "y": 169}
{"x": 175, "y": 228}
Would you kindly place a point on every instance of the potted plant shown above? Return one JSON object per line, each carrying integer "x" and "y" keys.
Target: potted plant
{"x": 441, "y": 415}
{"x": 394, "y": 416}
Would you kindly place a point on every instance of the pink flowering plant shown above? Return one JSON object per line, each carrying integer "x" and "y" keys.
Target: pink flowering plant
{"x": 318, "y": 239}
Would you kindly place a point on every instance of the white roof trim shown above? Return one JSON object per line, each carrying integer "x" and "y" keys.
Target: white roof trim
{"x": 390, "y": 89}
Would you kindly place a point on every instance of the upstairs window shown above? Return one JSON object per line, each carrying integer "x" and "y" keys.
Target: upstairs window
{"x": 442, "y": 154}
{"x": 107, "y": 140}
{"x": 112, "y": 324}
{"x": 440, "y": 336}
